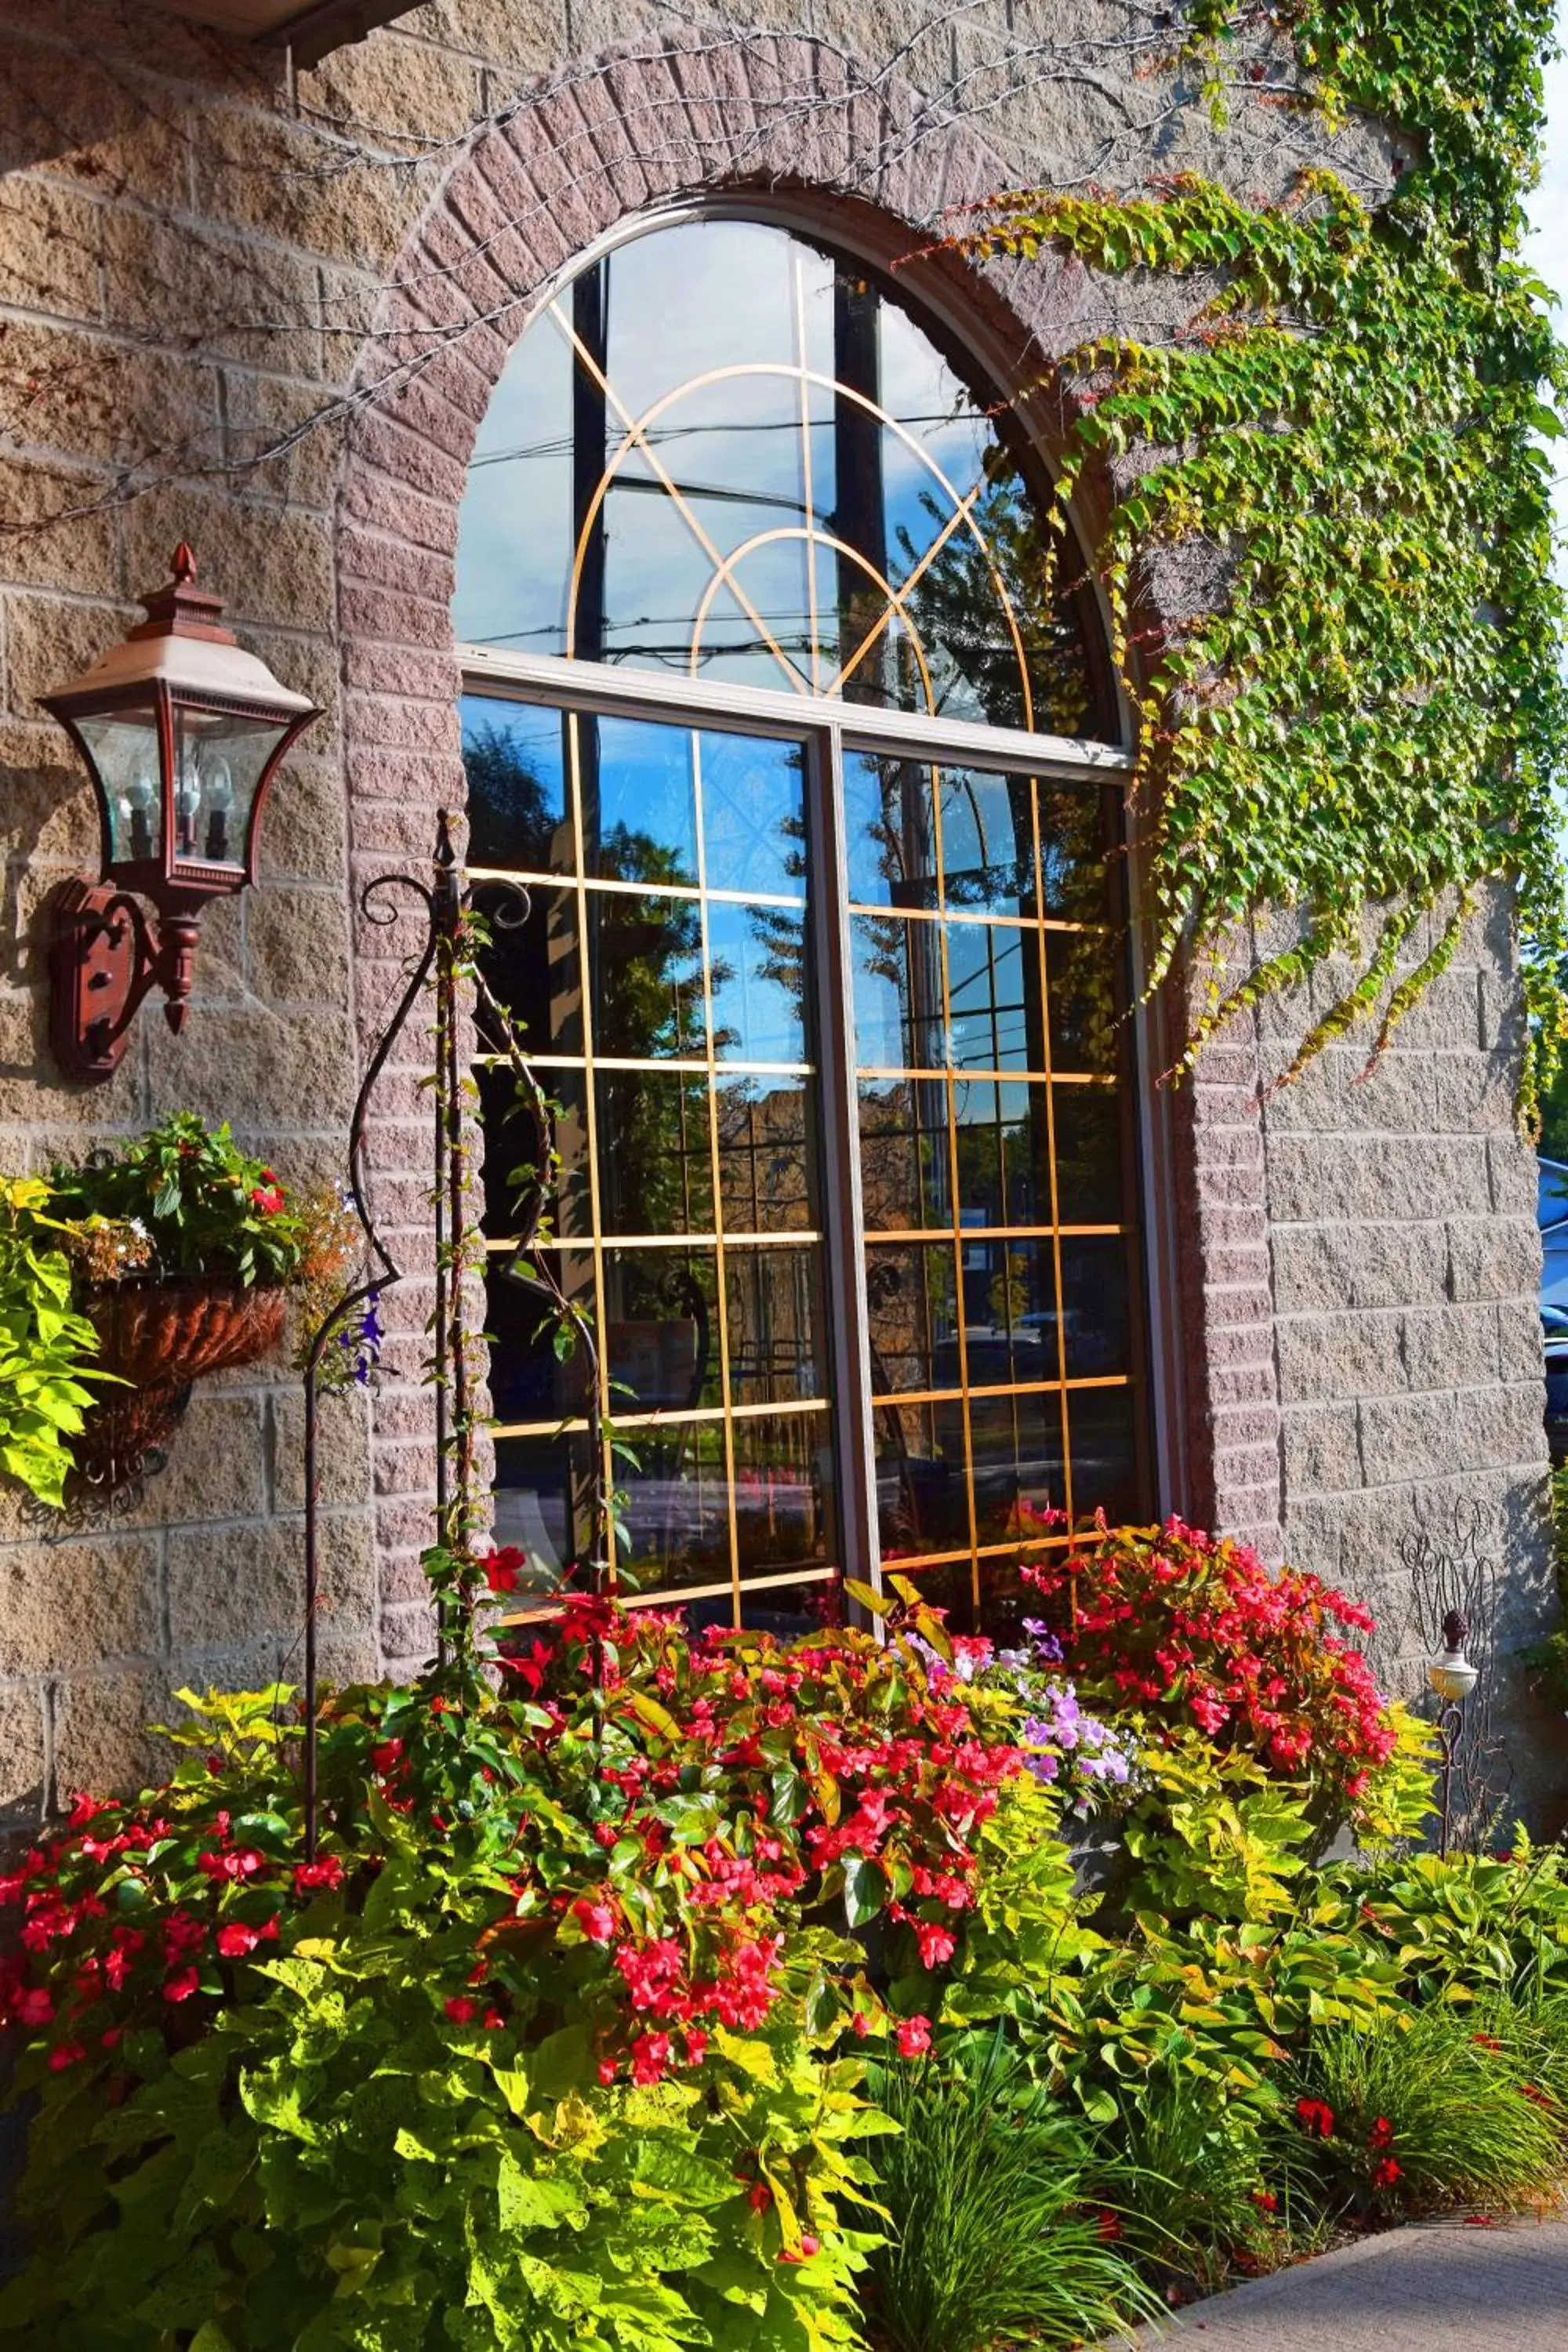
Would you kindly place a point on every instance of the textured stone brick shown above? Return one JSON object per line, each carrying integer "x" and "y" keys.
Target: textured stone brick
{"x": 1420, "y": 1178}
{"x": 1321, "y": 1448}
{"x": 1494, "y": 1257}
{"x": 299, "y": 1069}
{"x": 227, "y": 1587}
{"x": 1326, "y": 1267}
{"x": 22, "y": 1791}
{"x": 1410, "y": 1437}
{"x": 102, "y": 1739}
{"x": 1340, "y": 1355}
{"x": 297, "y": 948}
{"x": 1448, "y": 1347}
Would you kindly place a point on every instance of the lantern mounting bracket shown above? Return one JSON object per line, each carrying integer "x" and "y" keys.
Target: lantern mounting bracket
{"x": 105, "y": 960}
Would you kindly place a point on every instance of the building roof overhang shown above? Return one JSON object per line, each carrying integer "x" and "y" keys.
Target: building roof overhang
{"x": 310, "y": 28}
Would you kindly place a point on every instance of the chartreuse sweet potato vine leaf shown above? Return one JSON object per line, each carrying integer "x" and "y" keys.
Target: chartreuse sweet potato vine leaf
{"x": 1359, "y": 421}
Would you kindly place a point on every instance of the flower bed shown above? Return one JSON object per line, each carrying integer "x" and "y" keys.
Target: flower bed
{"x": 589, "y": 2019}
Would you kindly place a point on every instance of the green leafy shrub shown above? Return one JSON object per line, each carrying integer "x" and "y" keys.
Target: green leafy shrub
{"x": 995, "y": 2238}
{"x": 1417, "y": 2111}
{"x": 544, "y": 2027}
{"x": 46, "y": 1348}
{"x": 1184, "y": 2166}
{"x": 1471, "y": 1926}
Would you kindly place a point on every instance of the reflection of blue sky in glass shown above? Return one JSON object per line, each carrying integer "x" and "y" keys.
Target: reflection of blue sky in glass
{"x": 707, "y": 563}
{"x": 756, "y": 965}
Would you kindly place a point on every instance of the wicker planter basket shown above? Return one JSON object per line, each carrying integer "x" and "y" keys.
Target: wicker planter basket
{"x": 160, "y": 1333}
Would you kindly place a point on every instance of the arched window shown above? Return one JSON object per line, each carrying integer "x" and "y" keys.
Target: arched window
{"x": 796, "y": 720}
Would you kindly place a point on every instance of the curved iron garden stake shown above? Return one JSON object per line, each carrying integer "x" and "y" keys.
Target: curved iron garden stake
{"x": 445, "y": 900}
{"x": 435, "y": 901}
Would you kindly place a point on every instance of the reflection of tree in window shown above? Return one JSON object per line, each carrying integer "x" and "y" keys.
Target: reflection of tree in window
{"x": 511, "y": 820}
{"x": 646, "y": 957}
{"x": 963, "y": 622}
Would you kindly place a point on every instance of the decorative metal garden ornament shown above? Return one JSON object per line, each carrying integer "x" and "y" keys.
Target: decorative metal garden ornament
{"x": 1453, "y": 1677}
{"x": 182, "y": 732}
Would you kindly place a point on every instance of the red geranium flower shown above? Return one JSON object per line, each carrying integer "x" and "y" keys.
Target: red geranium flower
{"x": 1316, "y": 2119}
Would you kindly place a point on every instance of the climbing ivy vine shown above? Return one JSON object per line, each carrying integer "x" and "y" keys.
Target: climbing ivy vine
{"x": 1357, "y": 419}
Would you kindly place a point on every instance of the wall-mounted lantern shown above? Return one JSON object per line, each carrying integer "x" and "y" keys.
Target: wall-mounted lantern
{"x": 182, "y": 732}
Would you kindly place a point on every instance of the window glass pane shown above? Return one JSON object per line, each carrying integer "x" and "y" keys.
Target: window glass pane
{"x": 656, "y": 1160}
{"x": 889, "y": 833}
{"x": 1009, "y": 1313}
{"x": 1018, "y": 1476}
{"x": 994, "y": 1321}
{"x": 987, "y": 842}
{"x": 784, "y": 1493}
{"x": 753, "y": 815}
{"x": 905, "y": 1179}
{"x": 1081, "y": 978}
{"x": 912, "y": 1299}
{"x": 529, "y": 1382}
{"x": 979, "y": 1138}
{"x": 1095, "y": 1310}
{"x": 758, "y": 970}
{"x": 677, "y": 1507}
{"x": 661, "y": 1329}
{"x": 511, "y": 1152}
{"x": 1074, "y": 864}
{"x": 897, "y": 994}
{"x": 994, "y": 991}
{"x": 1089, "y": 1155}
{"x": 645, "y": 960}
{"x": 1025, "y": 1153}
{"x": 923, "y": 1492}
{"x": 543, "y": 1503}
{"x": 639, "y": 800}
{"x": 1102, "y": 1423}
{"x": 535, "y": 969}
{"x": 519, "y": 811}
{"x": 767, "y": 1155}
{"x": 773, "y": 1305}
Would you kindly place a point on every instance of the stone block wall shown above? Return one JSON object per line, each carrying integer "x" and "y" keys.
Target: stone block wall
{"x": 265, "y": 317}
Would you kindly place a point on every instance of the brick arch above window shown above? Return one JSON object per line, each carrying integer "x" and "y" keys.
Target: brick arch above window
{"x": 794, "y": 122}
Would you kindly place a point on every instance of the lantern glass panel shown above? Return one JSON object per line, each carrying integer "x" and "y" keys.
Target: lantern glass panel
{"x": 220, "y": 758}
{"x": 123, "y": 748}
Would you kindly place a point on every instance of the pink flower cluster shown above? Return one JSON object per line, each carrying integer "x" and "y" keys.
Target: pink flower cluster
{"x": 1196, "y": 1628}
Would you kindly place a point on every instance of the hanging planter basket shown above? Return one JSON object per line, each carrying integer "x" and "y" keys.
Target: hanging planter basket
{"x": 159, "y": 1333}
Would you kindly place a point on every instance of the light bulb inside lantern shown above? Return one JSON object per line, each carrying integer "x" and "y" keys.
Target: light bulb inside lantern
{"x": 136, "y": 804}
{"x": 187, "y": 801}
{"x": 218, "y": 803}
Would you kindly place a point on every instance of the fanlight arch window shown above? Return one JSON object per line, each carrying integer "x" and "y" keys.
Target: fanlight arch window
{"x": 794, "y": 716}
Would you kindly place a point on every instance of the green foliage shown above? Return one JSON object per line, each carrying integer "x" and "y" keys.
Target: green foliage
{"x": 1419, "y": 2110}
{"x": 1474, "y": 1925}
{"x": 207, "y": 1206}
{"x": 1185, "y": 2164}
{"x": 1376, "y": 714}
{"x": 46, "y": 1349}
{"x": 1548, "y": 1658}
{"x": 995, "y": 2238}
{"x": 335, "y": 2165}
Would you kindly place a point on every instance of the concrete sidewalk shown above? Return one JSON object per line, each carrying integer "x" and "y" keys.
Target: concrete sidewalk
{"x": 1498, "y": 2289}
